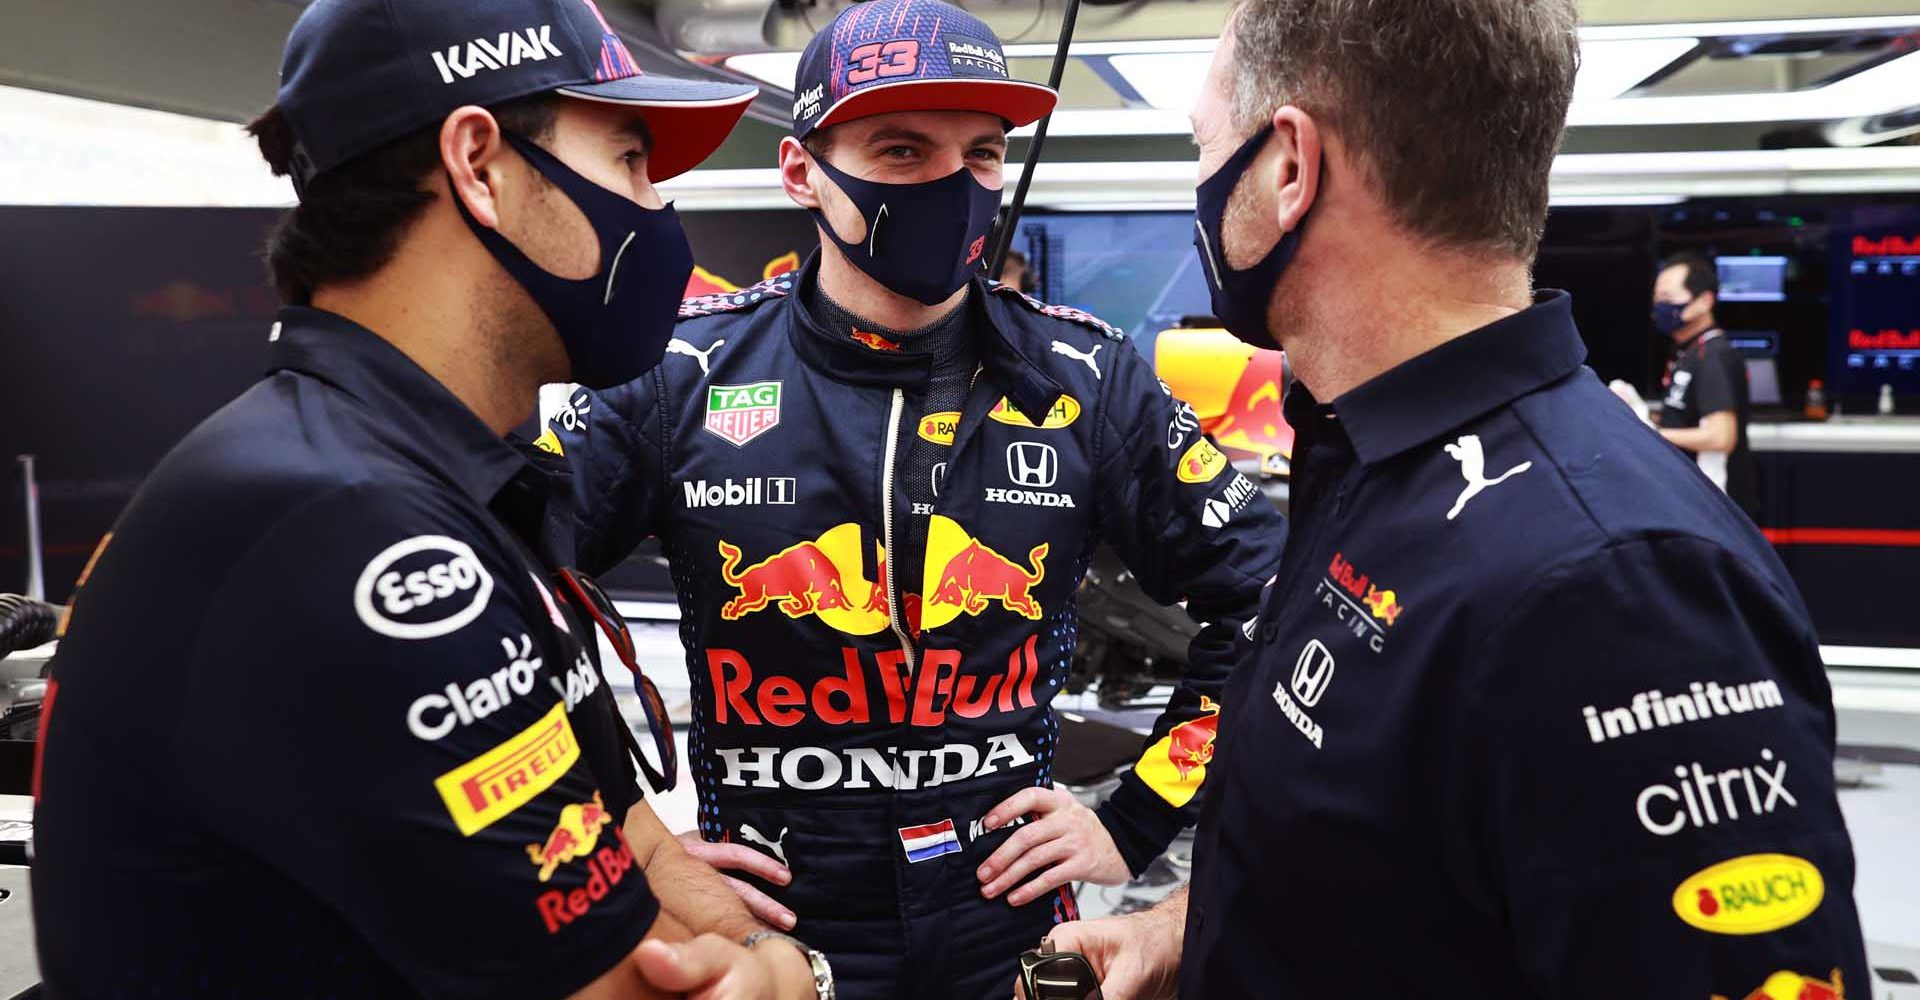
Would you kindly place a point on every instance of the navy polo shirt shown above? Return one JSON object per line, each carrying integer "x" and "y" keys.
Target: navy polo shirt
{"x": 320, "y": 725}
{"x": 1532, "y": 711}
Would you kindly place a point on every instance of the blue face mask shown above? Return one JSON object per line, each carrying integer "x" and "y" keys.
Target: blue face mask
{"x": 1666, "y": 317}
{"x": 1240, "y": 298}
{"x": 616, "y": 324}
{"x": 924, "y": 240}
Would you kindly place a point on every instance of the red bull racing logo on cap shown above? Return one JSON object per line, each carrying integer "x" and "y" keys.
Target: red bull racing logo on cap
{"x": 573, "y": 837}
{"x": 1176, "y": 766}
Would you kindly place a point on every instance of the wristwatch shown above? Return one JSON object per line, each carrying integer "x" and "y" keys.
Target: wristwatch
{"x": 822, "y": 972}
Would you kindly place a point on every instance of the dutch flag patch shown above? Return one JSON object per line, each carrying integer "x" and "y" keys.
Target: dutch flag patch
{"x": 931, "y": 841}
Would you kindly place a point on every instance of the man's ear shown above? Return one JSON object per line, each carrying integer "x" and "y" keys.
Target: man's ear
{"x": 1296, "y": 176}
{"x": 472, "y": 149}
{"x": 795, "y": 173}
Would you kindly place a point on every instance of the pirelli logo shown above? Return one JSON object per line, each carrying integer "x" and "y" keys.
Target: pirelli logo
{"x": 494, "y": 784}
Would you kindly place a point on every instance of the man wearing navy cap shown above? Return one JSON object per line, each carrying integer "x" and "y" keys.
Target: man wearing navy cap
{"x": 328, "y": 720}
{"x": 1533, "y": 710}
{"x": 879, "y": 481}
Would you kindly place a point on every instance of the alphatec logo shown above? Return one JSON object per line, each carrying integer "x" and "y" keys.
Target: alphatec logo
{"x": 509, "y": 48}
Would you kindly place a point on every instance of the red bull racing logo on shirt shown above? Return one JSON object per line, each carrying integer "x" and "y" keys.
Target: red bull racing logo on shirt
{"x": 1176, "y": 766}
{"x": 824, "y": 578}
{"x": 966, "y": 576}
{"x": 1364, "y": 607}
{"x": 573, "y": 837}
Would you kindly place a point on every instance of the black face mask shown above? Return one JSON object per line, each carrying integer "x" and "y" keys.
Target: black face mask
{"x": 1240, "y": 298}
{"x": 924, "y": 240}
{"x": 616, "y": 324}
{"x": 1667, "y": 318}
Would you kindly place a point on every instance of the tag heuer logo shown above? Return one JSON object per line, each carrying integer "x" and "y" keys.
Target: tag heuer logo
{"x": 741, "y": 413}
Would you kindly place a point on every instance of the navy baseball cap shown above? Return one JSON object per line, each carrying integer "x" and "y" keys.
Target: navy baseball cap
{"x": 909, "y": 55}
{"x": 358, "y": 74}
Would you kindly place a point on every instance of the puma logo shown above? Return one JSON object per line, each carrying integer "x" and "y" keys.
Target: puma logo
{"x": 1473, "y": 466}
{"x": 1086, "y": 359}
{"x": 678, "y": 346}
{"x": 753, "y": 836}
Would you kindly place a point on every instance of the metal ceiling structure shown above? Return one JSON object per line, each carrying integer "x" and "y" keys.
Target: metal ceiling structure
{"x": 1694, "y": 76}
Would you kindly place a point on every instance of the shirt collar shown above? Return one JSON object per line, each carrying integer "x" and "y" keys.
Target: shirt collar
{"x": 836, "y": 354}
{"x": 1468, "y": 377}
{"x": 431, "y": 425}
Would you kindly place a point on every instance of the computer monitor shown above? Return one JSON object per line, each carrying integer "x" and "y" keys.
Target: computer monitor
{"x": 1752, "y": 279}
{"x": 1760, "y": 349}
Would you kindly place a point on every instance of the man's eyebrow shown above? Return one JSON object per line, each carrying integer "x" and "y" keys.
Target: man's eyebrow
{"x": 897, "y": 133}
{"x": 636, "y": 129}
{"x": 998, "y": 139}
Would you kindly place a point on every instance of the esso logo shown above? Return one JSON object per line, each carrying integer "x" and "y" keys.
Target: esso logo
{"x": 422, "y": 588}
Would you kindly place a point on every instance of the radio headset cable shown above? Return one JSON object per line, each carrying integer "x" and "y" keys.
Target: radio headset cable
{"x": 1005, "y": 242}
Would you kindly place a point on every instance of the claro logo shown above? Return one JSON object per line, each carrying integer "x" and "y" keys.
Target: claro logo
{"x": 422, "y": 588}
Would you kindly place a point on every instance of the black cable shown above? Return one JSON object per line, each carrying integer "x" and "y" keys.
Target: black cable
{"x": 25, "y": 623}
{"x": 1005, "y": 241}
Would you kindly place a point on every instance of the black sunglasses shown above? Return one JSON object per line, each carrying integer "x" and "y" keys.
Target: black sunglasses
{"x": 1046, "y": 974}
{"x": 578, "y": 589}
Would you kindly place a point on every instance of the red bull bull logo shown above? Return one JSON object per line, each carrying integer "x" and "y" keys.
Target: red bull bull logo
{"x": 873, "y": 341}
{"x": 574, "y": 836}
{"x": 1176, "y": 765}
{"x": 966, "y": 576}
{"x": 1190, "y": 744}
{"x": 606, "y": 869}
{"x": 1794, "y": 986}
{"x": 820, "y": 578}
{"x": 1383, "y": 605}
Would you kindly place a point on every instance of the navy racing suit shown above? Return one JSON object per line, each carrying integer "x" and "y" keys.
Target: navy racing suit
{"x": 856, "y": 725}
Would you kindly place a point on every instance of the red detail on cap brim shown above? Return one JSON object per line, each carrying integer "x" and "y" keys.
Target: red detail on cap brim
{"x": 1017, "y": 101}
{"x": 684, "y": 132}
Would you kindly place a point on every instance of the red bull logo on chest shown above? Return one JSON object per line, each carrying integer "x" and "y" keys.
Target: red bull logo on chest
{"x": 964, "y": 575}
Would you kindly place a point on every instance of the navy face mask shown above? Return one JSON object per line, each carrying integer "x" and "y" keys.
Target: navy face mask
{"x": 1666, "y": 317}
{"x": 616, "y": 324}
{"x": 1240, "y": 298}
{"x": 924, "y": 240}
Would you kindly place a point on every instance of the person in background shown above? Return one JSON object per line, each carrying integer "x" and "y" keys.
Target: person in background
{"x": 1704, "y": 411}
{"x": 1018, "y": 274}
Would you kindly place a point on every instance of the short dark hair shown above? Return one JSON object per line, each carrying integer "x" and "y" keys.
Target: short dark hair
{"x": 351, "y": 218}
{"x": 819, "y": 142}
{"x": 1455, "y": 108}
{"x": 1703, "y": 275}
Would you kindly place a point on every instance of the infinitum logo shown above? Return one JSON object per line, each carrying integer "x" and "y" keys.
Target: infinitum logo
{"x": 509, "y": 48}
{"x": 1651, "y": 709}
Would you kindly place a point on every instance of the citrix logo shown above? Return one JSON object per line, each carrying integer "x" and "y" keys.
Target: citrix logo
{"x": 1764, "y": 792}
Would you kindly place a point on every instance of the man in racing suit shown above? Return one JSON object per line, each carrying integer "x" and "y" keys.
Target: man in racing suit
{"x": 878, "y": 481}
